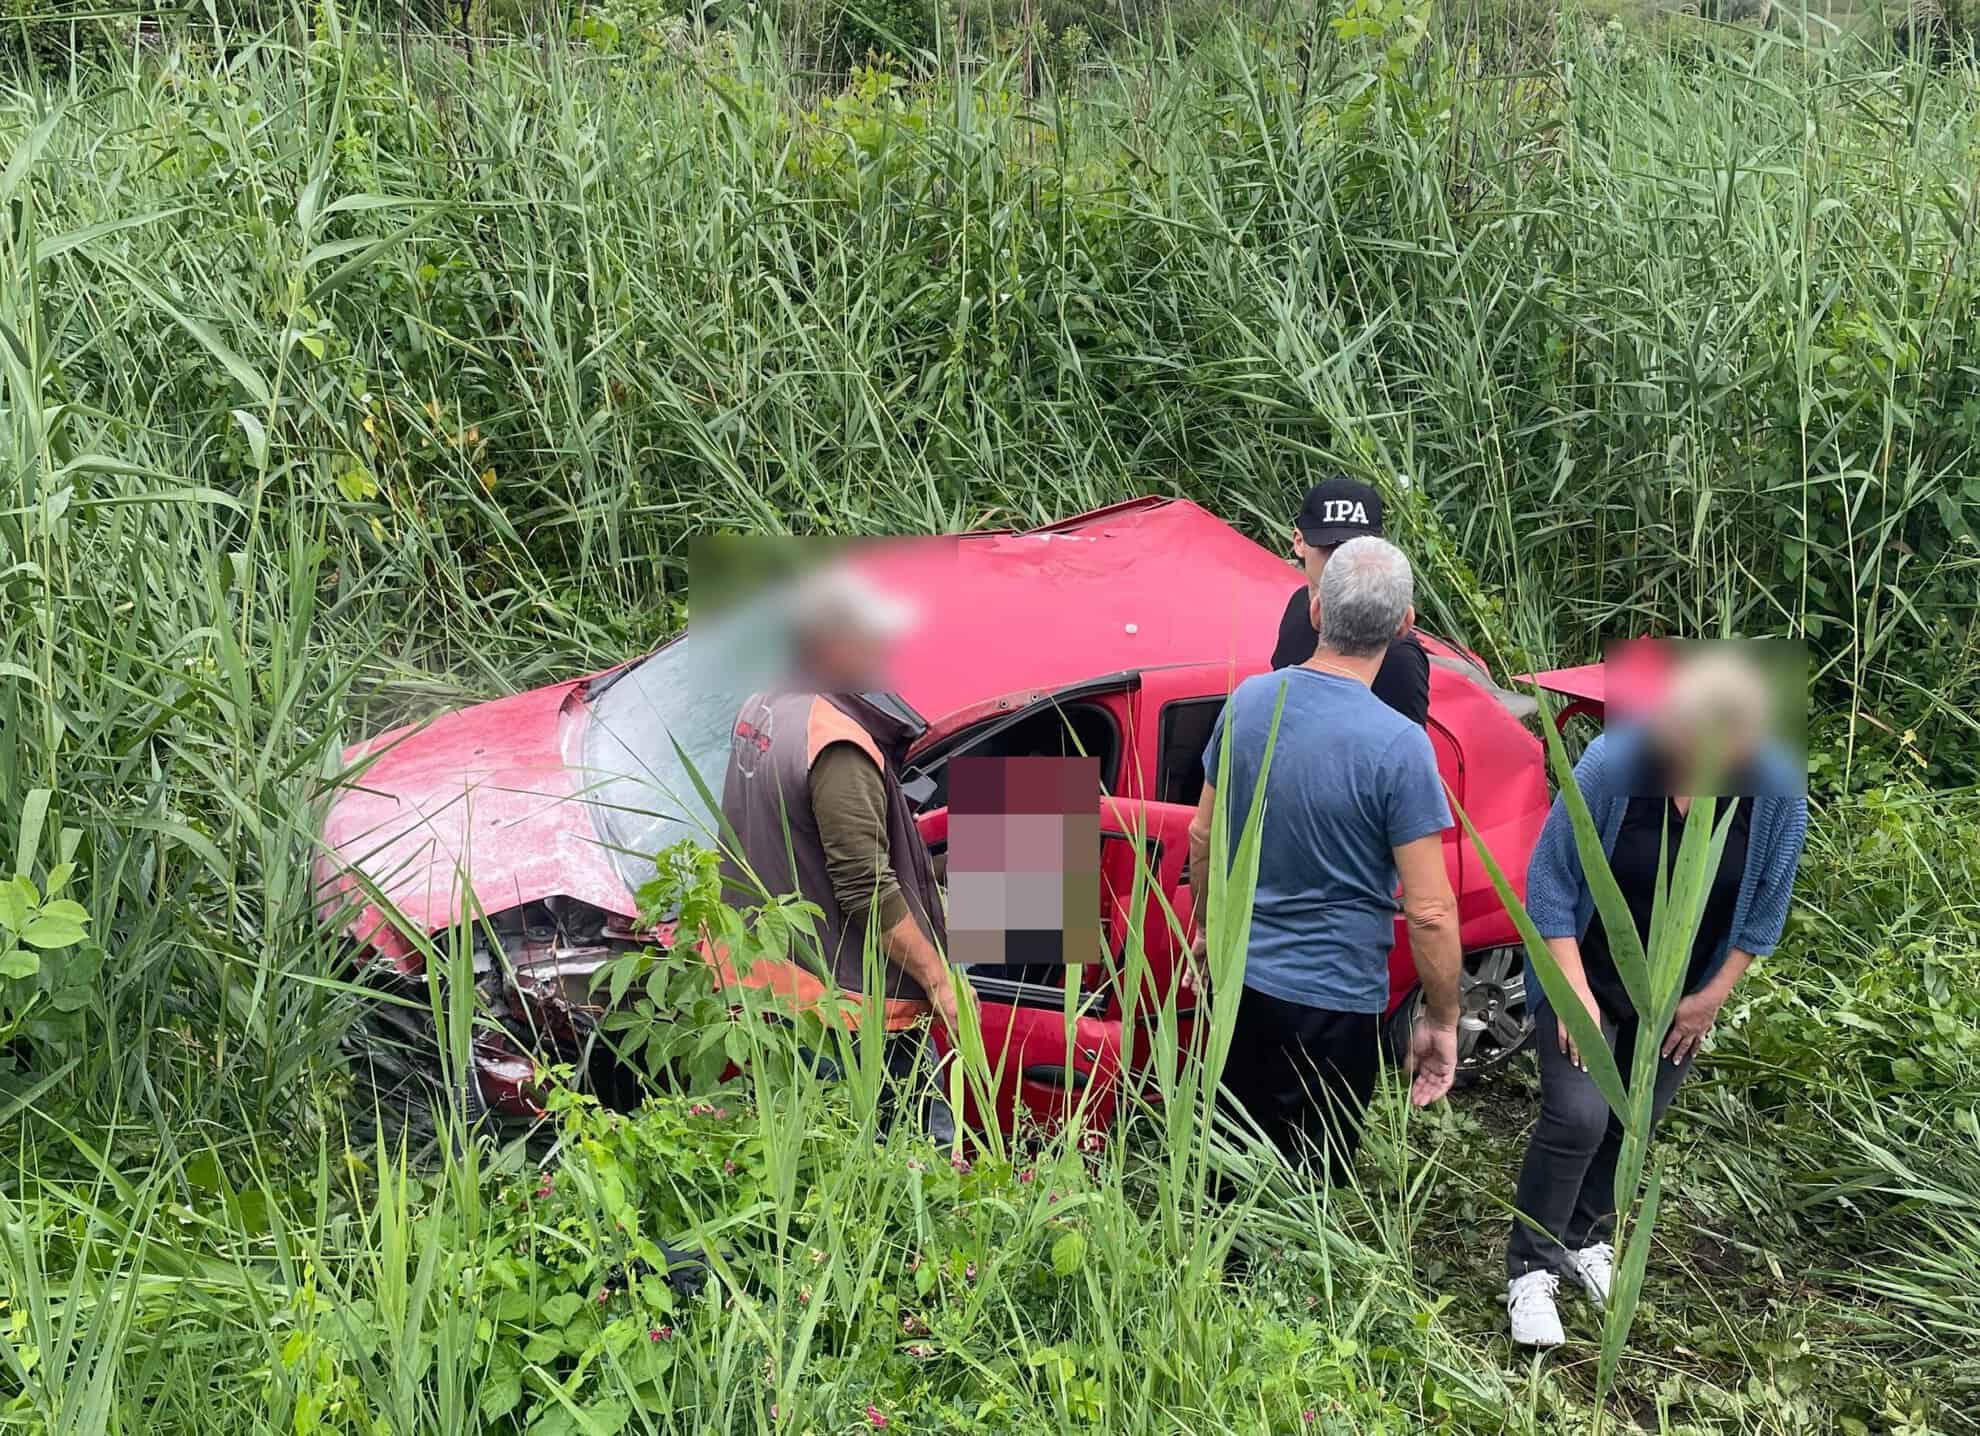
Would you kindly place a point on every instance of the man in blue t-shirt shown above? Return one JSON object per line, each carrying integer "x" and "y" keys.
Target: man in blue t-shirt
{"x": 1352, "y": 802}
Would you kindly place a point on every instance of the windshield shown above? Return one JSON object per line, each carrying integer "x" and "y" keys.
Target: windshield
{"x": 682, "y": 699}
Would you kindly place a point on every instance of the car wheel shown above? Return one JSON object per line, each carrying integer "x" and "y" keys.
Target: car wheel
{"x": 1495, "y": 1021}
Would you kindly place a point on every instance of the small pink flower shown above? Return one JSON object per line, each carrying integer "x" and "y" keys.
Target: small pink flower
{"x": 915, "y": 1164}
{"x": 1307, "y": 1416}
{"x": 875, "y": 1418}
{"x": 969, "y": 1272}
{"x": 920, "y": 1351}
{"x": 774, "y": 1416}
{"x": 1024, "y": 1177}
{"x": 544, "y": 1187}
{"x": 720, "y": 1114}
{"x": 661, "y": 1333}
{"x": 961, "y": 1164}
{"x": 604, "y": 1295}
{"x": 729, "y": 1167}
{"x": 1051, "y": 1198}
{"x": 804, "y": 1296}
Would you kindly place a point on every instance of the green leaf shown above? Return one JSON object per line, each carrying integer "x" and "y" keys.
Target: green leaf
{"x": 607, "y": 1417}
{"x": 20, "y": 963}
{"x": 257, "y": 437}
{"x": 18, "y": 900}
{"x": 1069, "y": 1253}
{"x": 1563, "y": 999}
{"x": 26, "y": 154}
{"x": 243, "y": 372}
{"x": 46, "y": 929}
{"x": 500, "y": 1395}
{"x": 34, "y": 812}
{"x": 560, "y": 1309}
{"x": 1631, "y": 1259}
{"x": 51, "y": 248}
{"x": 1625, "y": 946}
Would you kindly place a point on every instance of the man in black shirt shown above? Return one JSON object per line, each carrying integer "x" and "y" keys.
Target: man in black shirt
{"x": 1335, "y": 511}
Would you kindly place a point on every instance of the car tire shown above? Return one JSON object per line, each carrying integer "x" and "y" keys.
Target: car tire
{"x": 1495, "y": 1019}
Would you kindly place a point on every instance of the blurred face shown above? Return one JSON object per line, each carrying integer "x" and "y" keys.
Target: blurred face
{"x": 1717, "y": 716}
{"x": 843, "y": 661}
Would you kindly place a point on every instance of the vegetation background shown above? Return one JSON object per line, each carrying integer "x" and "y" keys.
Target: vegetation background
{"x": 354, "y": 363}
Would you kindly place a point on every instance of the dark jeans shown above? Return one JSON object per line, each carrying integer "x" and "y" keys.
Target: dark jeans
{"x": 1305, "y": 1075}
{"x": 907, "y": 1064}
{"x": 1567, "y": 1184}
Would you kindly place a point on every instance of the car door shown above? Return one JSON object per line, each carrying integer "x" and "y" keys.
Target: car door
{"x": 1146, "y": 909}
{"x": 1053, "y": 1057}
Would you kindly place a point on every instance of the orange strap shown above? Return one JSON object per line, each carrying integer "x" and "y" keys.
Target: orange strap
{"x": 826, "y": 725}
{"x": 787, "y": 979}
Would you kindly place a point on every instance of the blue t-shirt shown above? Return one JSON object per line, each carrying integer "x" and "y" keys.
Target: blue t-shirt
{"x": 1351, "y": 781}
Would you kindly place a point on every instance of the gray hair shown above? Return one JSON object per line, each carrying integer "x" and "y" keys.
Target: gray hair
{"x": 1718, "y": 695}
{"x": 1365, "y": 590}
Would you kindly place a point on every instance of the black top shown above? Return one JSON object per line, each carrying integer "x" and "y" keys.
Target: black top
{"x": 1634, "y": 863}
{"x": 1403, "y": 681}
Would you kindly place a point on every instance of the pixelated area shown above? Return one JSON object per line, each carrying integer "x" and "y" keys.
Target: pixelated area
{"x": 1024, "y": 861}
{"x": 1720, "y": 700}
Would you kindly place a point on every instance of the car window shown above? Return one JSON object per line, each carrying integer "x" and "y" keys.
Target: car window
{"x": 1185, "y": 732}
{"x": 1066, "y": 730}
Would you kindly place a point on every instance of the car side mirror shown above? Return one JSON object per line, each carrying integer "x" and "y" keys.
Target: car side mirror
{"x": 919, "y": 789}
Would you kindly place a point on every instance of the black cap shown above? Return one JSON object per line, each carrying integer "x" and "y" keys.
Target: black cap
{"x": 1339, "y": 509}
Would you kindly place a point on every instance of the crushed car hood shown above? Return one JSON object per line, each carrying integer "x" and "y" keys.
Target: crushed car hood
{"x": 485, "y": 799}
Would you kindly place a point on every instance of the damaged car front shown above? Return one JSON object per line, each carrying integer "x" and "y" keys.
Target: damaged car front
{"x": 515, "y": 834}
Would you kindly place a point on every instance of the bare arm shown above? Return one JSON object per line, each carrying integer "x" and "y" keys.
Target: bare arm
{"x": 1697, "y": 1013}
{"x": 1199, "y": 861}
{"x": 1431, "y": 912}
{"x": 1727, "y": 977}
{"x": 908, "y": 948}
{"x": 1430, "y": 909}
{"x": 849, "y": 802}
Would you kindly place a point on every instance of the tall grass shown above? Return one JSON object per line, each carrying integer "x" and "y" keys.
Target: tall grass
{"x": 342, "y": 378}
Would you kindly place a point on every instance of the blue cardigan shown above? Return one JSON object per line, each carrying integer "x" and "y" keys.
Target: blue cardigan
{"x": 1558, "y": 896}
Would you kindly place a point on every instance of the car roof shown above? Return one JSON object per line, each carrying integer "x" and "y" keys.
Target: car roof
{"x": 1145, "y": 584}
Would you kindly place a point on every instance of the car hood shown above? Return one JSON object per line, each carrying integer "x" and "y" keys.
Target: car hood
{"x": 487, "y": 799}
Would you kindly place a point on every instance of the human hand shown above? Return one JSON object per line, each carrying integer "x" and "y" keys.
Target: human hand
{"x": 1566, "y": 1037}
{"x": 942, "y": 998}
{"x": 1432, "y": 1060}
{"x": 1695, "y": 1016}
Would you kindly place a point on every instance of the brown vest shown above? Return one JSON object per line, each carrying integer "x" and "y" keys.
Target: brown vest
{"x": 766, "y": 801}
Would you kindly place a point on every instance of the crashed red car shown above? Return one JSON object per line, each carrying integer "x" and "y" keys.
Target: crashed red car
{"x": 1116, "y": 634}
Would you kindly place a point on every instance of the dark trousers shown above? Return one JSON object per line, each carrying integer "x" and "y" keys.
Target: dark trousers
{"x": 1305, "y": 1075}
{"x": 908, "y": 1072}
{"x": 1567, "y": 1184}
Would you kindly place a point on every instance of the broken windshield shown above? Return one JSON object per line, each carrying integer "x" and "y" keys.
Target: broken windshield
{"x": 655, "y": 729}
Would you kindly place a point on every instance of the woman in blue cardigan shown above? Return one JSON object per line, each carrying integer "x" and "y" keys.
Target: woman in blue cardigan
{"x": 1636, "y": 780}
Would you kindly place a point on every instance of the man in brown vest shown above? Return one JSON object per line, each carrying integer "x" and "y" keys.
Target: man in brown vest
{"x": 813, "y": 798}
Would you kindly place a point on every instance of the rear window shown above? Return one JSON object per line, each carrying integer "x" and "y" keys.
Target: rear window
{"x": 1185, "y": 731}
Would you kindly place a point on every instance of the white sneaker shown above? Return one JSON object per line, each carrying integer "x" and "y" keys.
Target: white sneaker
{"x": 1536, "y": 1321}
{"x": 1596, "y": 1266}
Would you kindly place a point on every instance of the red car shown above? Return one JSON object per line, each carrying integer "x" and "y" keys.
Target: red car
{"x": 1117, "y": 634}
